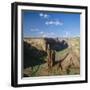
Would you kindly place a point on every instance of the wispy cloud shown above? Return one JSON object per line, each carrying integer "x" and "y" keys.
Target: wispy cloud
{"x": 43, "y": 15}
{"x": 54, "y": 22}
{"x": 47, "y": 34}
{"x": 66, "y": 34}
{"x": 41, "y": 32}
{"x": 34, "y": 29}
{"x": 50, "y": 21}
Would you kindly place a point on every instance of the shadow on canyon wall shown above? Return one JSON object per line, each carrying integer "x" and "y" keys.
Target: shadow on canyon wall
{"x": 33, "y": 56}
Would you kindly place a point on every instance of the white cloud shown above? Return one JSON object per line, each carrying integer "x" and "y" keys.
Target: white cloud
{"x": 43, "y": 15}
{"x": 41, "y": 32}
{"x": 54, "y": 22}
{"x": 66, "y": 34}
{"x": 46, "y": 23}
{"x": 49, "y": 22}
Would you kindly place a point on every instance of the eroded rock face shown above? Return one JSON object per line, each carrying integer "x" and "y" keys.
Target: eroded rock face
{"x": 70, "y": 60}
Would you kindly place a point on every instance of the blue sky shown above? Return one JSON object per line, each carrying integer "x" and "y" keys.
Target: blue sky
{"x": 50, "y": 24}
